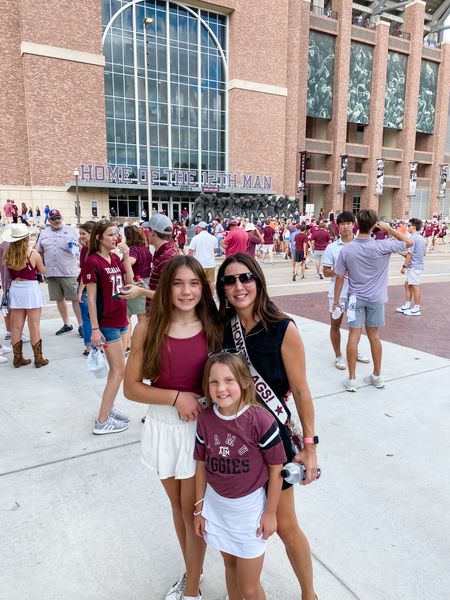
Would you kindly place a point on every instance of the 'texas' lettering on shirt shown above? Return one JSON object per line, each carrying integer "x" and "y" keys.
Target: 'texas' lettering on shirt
{"x": 111, "y": 270}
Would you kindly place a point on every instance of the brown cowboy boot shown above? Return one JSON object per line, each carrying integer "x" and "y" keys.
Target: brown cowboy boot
{"x": 38, "y": 360}
{"x": 19, "y": 360}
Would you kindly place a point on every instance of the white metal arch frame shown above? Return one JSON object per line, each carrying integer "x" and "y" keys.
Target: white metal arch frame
{"x": 189, "y": 10}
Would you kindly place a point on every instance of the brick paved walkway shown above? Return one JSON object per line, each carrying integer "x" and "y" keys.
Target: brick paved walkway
{"x": 430, "y": 332}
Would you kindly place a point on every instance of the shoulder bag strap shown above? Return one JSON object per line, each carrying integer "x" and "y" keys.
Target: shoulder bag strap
{"x": 263, "y": 389}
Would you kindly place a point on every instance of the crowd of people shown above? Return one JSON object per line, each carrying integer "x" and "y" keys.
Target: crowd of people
{"x": 221, "y": 368}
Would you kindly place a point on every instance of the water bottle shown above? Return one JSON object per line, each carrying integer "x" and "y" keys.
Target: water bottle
{"x": 141, "y": 282}
{"x": 295, "y": 472}
{"x": 337, "y": 312}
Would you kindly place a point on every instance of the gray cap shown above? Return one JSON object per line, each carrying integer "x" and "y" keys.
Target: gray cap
{"x": 160, "y": 223}
{"x": 202, "y": 225}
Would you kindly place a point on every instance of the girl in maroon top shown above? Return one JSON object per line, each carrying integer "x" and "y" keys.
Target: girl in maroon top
{"x": 104, "y": 276}
{"x": 140, "y": 260}
{"x": 168, "y": 352}
{"x": 25, "y": 297}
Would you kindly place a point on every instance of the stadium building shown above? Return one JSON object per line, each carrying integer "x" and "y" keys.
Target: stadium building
{"x": 143, "y": 104}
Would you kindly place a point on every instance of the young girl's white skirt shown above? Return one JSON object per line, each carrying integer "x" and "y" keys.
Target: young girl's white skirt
{"x": 167, "y": 443}
{"x": 231, "y": 523}
{"x": 25, "y": 294}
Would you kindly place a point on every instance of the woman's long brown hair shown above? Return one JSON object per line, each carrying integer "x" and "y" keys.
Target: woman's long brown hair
{"x": 161, "y": 314}
{"x": 98, "y": 230}
{"x": 16, "y": 255}
{"x": 264, "y": 311}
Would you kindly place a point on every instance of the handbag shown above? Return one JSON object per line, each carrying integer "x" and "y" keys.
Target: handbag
{"x": 265, "y": 392}
{"x": 97, "y": 363}
{"x": 4, "y": 303}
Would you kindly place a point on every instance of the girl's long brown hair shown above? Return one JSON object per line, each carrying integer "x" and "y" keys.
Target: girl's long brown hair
{"x": 134, "y": 236}
{"x": 17, "y": 253}
{"x": 161, "y": 314}
{"x": 98, "y": 230}
{"x": 264, "y": 310}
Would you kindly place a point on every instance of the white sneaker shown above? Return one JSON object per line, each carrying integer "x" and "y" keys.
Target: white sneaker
{"x": 109, "y": 426}
{"x": 5, "y": 349}
{"x": 403, "y": 308}
{"x": 412, "y": 312}
{"x": 3, "y": 359}
{"x": 362, "y": 359}
{"x": 375, "y": 380}
{"x": 119, "y": 415}
{"x": 8, "y": 335}
{"x": 350, "y": 385}
{"x": 176, "y": 591}
{"x": 340, "y": 363}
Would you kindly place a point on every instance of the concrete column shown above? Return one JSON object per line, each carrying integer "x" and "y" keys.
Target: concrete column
{"x": 297, "y": 91}
{"x": 338, "y": 125}
{"x": 413, "y": 24}
{"x": 373, "y": 134}
{"x": 440, "y": 126}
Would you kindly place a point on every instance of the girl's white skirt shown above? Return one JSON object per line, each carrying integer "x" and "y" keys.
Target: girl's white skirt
{"x": 231, "y": 523}
{"x": 167, "y": 443}
{"x": 25, "y": 294}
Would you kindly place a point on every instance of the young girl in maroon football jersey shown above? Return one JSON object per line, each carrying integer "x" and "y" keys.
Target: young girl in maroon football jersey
{"x": 104, "y": 276}
{"x": 170, "y": 349}
{"x": 238, "y": 451}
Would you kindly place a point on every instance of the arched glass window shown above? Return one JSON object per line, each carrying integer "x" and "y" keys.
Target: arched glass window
{"x": 186, "y": 81}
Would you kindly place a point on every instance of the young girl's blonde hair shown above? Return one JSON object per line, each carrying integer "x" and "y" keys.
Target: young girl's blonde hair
{"x": 17, "y": 253}
{"x": 240, "y": 371}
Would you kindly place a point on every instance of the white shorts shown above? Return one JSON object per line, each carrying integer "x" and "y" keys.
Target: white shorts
{"x": 413, "y": 276}
{"x": 267, "y": 248}
{"x": 167, "y": 443}
{"x": 231, "y": 523}
{"x": 25, "y": 294}
{"x": 342, "y": 304}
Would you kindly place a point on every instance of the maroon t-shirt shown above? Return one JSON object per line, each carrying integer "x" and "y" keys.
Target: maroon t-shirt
{"x": 253, "y": 241}
{"x": 321, "y": 239}
{"x": 381, "y": 235}
{"x": 237, "y": 449}
{"x": 180, "y": 235}
{"x": 268, "y": 233}
{"x": 83, "y": 255}
{"x": 110, "y": 278}
{"x": 141, "y": 267}
{"x": 162, "y": 256}
{"x": 299, "y": 241}
{"x": 236, "y": 241}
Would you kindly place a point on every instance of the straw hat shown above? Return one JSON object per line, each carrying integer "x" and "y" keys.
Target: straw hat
{"x": 16, "y": 232}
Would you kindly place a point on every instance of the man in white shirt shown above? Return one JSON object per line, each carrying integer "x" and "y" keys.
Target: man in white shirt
{"x": 345, "y": 222}
{"x": 203, "y": 247}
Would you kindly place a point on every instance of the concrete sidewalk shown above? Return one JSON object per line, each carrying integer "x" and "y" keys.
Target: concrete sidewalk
{"x": 82, "y": 518}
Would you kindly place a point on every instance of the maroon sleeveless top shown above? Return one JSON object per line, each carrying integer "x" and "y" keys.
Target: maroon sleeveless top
{"x": 182, "y": 363}
{"x": 28, "y": 272}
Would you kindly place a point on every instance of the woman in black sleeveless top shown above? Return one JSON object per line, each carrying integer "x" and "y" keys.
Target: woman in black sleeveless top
{"x": 276, "y": 351}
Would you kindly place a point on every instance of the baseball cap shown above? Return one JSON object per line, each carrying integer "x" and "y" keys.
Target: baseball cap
{"x": 54, "y": 213}
{"x": 233, "y": 222}
{"x": 249, "y": 227}
{"x": 160, "y": 223}
{"x": 202, "y": 225}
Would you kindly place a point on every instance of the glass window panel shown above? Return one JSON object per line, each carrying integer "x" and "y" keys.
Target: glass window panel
{"x": 183, "y": 60}
{"x": 175, "y": 114}
{"x": 160, "y": 25}
{"x": 213, "y": 139}
{"x": 192, "y": 67}
{"x": 140, "y": 53}
{"x": 192, "y": 31}
{"x": 175, "y": 159}
{"x": 154, "y": 156}
{"x": 110, "y": 134}
{"x": 184, "y": 159}
{"x": 213, "y": 119}
{"x": 193, "y": 138}
{"x": 175, "y": 137}
{"x": 107, "y": 52}
{"x": 142, "y": 133}
{"x": 108, "y": 84}
{"x": 162, "y": 91}
{"x": 174, "y": 60}
{"x": 111, "y": 152}
{"x": 184, "y": 94}
{"x": 184, "y": 116}
{"x": 162, "y": 113}
{"x": 163, "y": 158}
{"x": 117, "y": 49}
{"x": 130, "y": 109}
{"x": 184, "y": 137}
{"x": 154, "y": 135}
{"x": 221, "y": 164}
{"x": 118, "y": 85}
{"x": 119, "y": 109}
{"x": 109, "y": 106}
{"x": 128, "y": 51}
{"x": 204, "y": 139}
{"x": 143, "y": 152}
{"x": 152, "y": 90}
{"x": 141, "y": 111}
{"x": 127, "y": 19}
{"x": 120, "y": 131}
{"x": 193, "y": 117}
{"x": 131, "y": 132}
{"x": 129, "y": 86}
{"x": 151, "y": 55}
{"x": 161, "y": 58}
{"x": 121, "y": 154}
{"x": 131, "y": 155}
{"x": 212, "y": 161}
{"x": 141, "y": 87}
{"x": 163, "y": 139}
{"x": 204, "y": 118}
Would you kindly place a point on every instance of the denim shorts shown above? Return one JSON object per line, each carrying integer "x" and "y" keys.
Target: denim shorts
{"x": 369, "y": 313}
{"x": 113, "y": 334}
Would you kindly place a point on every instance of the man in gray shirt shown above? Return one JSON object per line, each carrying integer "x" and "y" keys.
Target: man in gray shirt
{"x": 413, "y": 267}
{"x": 365, "y": 262}
{"x": 58, "y": 245}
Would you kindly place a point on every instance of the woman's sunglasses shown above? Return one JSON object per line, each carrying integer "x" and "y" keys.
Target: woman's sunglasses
{"x": 244, "y": 278}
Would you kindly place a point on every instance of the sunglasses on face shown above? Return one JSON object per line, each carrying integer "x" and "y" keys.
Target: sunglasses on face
{"x": 55, "y": 219}
{"x": 244, "y": 278}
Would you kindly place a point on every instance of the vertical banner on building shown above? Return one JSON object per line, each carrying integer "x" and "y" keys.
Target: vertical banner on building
{"x": 443, "y": 180}
{"x": 380, "y": 177}
{"x": 412, "y": 178}
{"x": 343, "y": 174}
{"x": 302, "y": 178}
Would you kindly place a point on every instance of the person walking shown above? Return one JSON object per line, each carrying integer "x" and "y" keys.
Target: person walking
{"x": 273, "y": 347}
{"x": 268, "y": 233}
{"x": 239, "y": 454}
{"x": 85, "y": 234}
{"x": 345, "y": 222}
{"x": 218, "y": 232}
{"x": 204, "y": 247}
{"x": 320, "y": 238}
{"x": 365, "y": 262}
{"x": 25, "y": 297}
{"x": 46, "y": 213}
{"x": 141, "y": 262}
{"x": 58, "y": 246}
{"x": 170, "y": 349}
{"x": 413, "y": 268}
{"x": 104, "y": 275}
{"x": 300, "y": 240}
{"x": 7, "y": 209}
{"x": 254, "y": 239}
{"x": 236, "y": 239}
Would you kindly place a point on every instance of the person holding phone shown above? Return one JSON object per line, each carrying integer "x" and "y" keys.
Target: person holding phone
{"x": 104, "y": 276}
